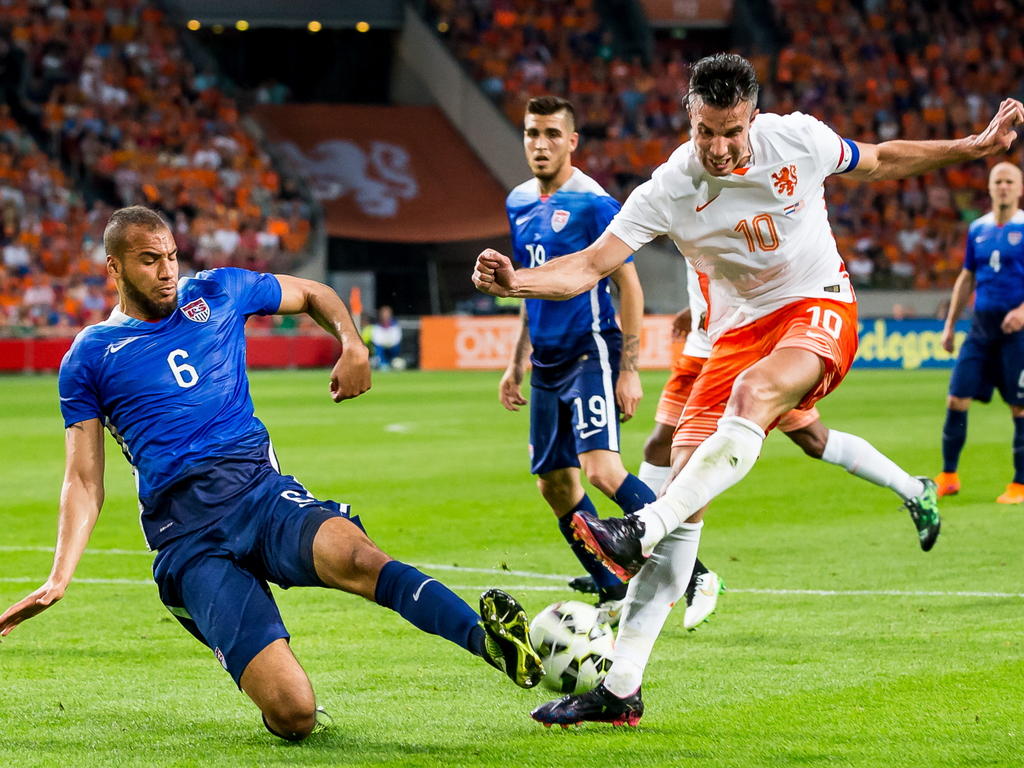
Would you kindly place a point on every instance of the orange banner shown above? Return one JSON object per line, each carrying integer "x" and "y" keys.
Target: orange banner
{"x": 487, "y": 343}
{"x": 388, "y": 174}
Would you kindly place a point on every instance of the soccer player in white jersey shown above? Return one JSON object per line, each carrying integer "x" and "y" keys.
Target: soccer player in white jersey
{"x": 585, "y": 378}
{"x": 743, "y": 200}
{"x": 855, "y": 454}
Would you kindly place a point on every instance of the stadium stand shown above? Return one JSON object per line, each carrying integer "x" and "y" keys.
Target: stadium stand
{"x": 109, "y": 90}
{"x": 919, "y": 78}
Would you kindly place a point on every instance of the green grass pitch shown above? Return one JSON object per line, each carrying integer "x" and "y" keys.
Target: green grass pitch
{"x": 438, "y": 471}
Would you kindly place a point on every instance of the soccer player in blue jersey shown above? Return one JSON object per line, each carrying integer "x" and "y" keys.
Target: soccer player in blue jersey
{"x": 585, "y": 369}
{"x": 992, "y": 357}
{"x": 166, "y": 375}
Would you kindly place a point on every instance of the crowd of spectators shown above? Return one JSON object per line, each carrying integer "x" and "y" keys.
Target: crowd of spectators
{"x": 873, "y": 69}
{"x": 133, "y": 121}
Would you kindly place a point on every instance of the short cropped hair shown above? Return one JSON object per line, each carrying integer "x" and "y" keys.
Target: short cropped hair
{"x": 552, "y": 105}
{"x": 123, "y": 219}
{"x": 723, "y": 80}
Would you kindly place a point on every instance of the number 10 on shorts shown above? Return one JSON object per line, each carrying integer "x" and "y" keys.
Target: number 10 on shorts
{"x": 828, "y": 320}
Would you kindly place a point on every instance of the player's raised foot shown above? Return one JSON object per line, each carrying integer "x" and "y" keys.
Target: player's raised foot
{"x": 597, "y": 706}
{"x": 507, "y": 645}
{"x": 947, "y": 484}
{"x": 924, "y": 511}
{"x": 701, "y": 598}
{"x": 584, "y": 584}
{"x": 610, "y": 603}
{"x": 615, "y": 541}
{"x": 1014, "y": 494}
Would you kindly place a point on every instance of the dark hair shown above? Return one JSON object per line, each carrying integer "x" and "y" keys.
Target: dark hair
{"x": 551, "y": 105}
{"x": 121, "y": 220}
{"x": 723, "y": 81}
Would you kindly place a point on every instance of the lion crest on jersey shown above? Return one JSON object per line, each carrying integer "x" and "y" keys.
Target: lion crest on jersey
{"x": 784, "y": 180}
{"x": 559, "y": 219}
{"x": 1014, "y": 238}
{"x": 197, "y": 311}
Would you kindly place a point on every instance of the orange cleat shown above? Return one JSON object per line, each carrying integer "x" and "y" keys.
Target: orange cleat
{"x": 948, "y": 484}
{"x": 1014, "y": 494}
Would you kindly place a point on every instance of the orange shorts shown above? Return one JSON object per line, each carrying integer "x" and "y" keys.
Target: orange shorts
{"x": 684, "y": 372}
{"x": 822, "y": 326}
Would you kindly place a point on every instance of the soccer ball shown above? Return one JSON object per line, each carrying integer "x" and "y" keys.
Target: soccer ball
{"x": 575, "y": 647}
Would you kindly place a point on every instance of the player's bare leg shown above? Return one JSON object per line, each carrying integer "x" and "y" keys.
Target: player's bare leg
{"x": 278, "y": 685}
{"x": 760, "y": 395}
{"x": 346, "y": 559}
{"x": 858, "y": 457}
{"x": 954, "y": 435}
{"x": 657, "y": 464}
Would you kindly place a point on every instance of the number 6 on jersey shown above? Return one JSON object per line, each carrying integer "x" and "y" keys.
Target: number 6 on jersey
{"x": 181, "y": 371}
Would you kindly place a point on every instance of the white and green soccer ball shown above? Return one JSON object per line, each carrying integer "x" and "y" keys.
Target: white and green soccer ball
{"x": 575, "y": 646}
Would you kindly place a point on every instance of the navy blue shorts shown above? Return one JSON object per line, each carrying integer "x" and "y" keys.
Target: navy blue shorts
{"x": 990, "y": 359}
{"x": 215, "y": 580}
{"x": 572, "y": 411}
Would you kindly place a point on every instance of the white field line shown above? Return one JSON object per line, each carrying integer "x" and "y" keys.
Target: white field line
{"x": 562, "y": 578}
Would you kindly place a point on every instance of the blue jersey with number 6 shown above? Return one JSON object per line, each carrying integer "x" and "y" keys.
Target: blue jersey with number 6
{"x": 995, "y": 254}
{"x": 544, "y": 228}
{"x": 174, "y": 393}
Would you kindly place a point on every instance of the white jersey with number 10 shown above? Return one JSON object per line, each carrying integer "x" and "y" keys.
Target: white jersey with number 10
{"x": 760, "y": 234}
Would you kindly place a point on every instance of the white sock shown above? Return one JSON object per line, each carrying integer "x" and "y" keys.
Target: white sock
{"x": 653, "y": 476}
{"x": 719, "y": 462}
{"x": 861, "y": 458}
{"x": 652, "y": 593}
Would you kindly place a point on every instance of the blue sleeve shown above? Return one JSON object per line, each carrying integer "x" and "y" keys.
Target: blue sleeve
{"x": 79, "y": 400}
{"x": 605, "y": 208}
{"x": 516, "y": 256}
{"x": 970, "y": 261}
{"x": 253, "y": 293}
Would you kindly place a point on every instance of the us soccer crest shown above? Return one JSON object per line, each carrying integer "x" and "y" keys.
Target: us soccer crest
{"x": 558, "y": 220}
{"x": 1014, "y": 238}
{"x": 197, "y": 311}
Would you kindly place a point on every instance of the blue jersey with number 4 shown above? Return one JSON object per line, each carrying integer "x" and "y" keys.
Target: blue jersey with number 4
{"x": 995, "y": 254}
{"x": 544, "y": 228}
{"x": 174, "y": 393}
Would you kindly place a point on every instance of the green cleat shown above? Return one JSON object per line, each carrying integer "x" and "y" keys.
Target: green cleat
{"x": 924, "y": 511}
{"x": 507, "y": 643}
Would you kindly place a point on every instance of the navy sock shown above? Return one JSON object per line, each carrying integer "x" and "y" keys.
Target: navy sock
{"x": 602, "y": 576}
{"x": 1018, "y": 450}
{"x": 954, "y": 434}
{"x": 428, "y": 605}
{"x": 633, "y": 495}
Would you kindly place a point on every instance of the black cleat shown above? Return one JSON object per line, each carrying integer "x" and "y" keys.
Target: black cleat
{"x": 596, "y": 706}
{"x": 507, "y": 643}
{"x": 615, "y": 541}
{"x": 584, "y": 584}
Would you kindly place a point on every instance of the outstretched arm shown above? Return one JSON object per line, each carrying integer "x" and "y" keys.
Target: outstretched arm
{"x": 351, "y": 374}
{"x": 628, "y": 390}
{"x": 560, "y": 278}
{"x": 80, "y": 500}
{"x": 899, "y": 159}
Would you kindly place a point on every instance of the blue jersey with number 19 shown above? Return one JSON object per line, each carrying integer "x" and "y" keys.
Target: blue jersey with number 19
{"x": 544, "y": 228}
{"x": 174, "y": 392}
{"x": 995, "y": 254}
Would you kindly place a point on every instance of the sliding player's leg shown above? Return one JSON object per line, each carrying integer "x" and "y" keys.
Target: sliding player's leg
{"x": 344, "y": 558}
